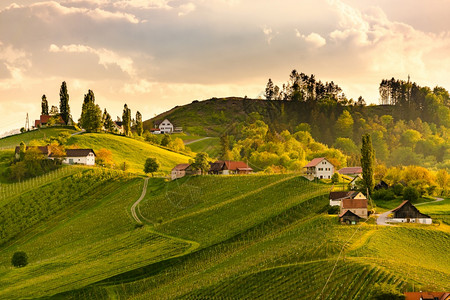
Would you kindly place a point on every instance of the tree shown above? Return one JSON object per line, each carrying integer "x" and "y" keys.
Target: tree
{"x": 126, "y": 120}
{"x": 19, "y": 259}
{"x": 64, "y": 108}
{"x": 103, "y": 157}
{"x": 44, "y": 105}
{"x": 411, "y": 194}
{"x": 344, "y": 125}
{"x": 443, "y": 180}
{"x": 151, "y": 165}
{"x": 108, "y": 123}
{"x": 91, "y": 114}
{"x": 367, "y": 162}
{"x": 22, "y": 150}
{"x": 225, "y": 153}
{"x": 336, "y": 177}
{"x": 166, "y": 140}
{"x": 270, "y": 90}
{"x": 201, "y": 162}
{"x": 139, "y": 125}
{"x": 54, "y": 111}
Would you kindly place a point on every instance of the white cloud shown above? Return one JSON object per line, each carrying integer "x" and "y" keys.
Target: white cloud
{"x": 315, "y": 40}
{"x": 105, "y": 57}
{"x": 143, "y": 4}
{"x": 186, "y": 9}
{"x": 268, "y": 32}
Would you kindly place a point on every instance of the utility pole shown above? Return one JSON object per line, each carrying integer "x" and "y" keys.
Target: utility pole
{"x": 27, "y": 124}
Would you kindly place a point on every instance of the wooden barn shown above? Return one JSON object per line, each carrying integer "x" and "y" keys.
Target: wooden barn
{"x": 408, "y": 213}
{"x": 349, "y": 217}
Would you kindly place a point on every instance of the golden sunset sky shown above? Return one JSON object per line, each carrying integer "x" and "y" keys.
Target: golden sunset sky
{"x": 155, "y": 54}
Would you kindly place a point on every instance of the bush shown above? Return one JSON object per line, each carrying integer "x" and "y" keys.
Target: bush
{"x": 383, "y": 195}
{"x": 19, "y": 259}
{"x": 333, "y": 210}
{"x": 397, "y": 189}
{"x": 410, "y": 194}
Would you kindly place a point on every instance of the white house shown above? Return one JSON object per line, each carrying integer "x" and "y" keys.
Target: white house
{"x": 78, "y": 156}
{"x": 319, "y": 168}
{"x": 165, "y": 126}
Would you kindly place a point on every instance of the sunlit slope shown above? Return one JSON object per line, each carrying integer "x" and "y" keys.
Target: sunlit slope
{"x": 131, "y": 151}
{"x": 80, "y": 234}
{"x": 11, "y": 142}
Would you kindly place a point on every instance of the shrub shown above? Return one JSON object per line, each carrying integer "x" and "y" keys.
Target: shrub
{"x": 410, "y": 194}
{"x": 383, "y": 195}
{"x": 19, "y": 259}
{"x": 333, "y": 210}
{"x": 397, "y": 189}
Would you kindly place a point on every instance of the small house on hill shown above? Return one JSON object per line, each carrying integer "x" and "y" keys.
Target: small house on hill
{"x": 408, "y": 213}
{"x": 182, "y": 170}
{"x": 228, "y": 167}
{"x": 165, "y": 127}
{"x": 349, "y": 217}
{"x": 43, "y": 120}
{"x": 356, "y": 206}
{"x": 381, "y": 185}
{"x": 350, "y": 171}
{"x": 337, "y": 197}
{"x": 427, "y": 295}
{"x": 78, "y": 157}
{"x": 319, "y": 168}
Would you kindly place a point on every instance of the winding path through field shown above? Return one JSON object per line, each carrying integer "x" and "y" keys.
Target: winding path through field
{"x": 437, "y": 200}
{"x": 135, "y": 204}
{"x": 194, "y": 141}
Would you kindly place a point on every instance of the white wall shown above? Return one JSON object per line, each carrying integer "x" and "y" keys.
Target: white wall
{"x": 88, "y": 160}
{"x": 421, "y": 221}
{"x": 324, "y": 170}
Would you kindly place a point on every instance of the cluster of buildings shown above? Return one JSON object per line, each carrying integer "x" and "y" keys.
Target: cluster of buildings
{"x": 72, "y": 157}
{"x": 220, "y": 167}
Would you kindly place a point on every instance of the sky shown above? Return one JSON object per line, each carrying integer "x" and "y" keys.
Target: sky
{"x": 156, "y": 54}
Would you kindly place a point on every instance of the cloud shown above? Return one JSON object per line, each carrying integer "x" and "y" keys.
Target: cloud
{"x": 143, "y": 4}
{"x": 105, "y": 57}
{"x": 186, "y": 9}
{"x": 268, "y": 32}
{"x": 315, "y": 40}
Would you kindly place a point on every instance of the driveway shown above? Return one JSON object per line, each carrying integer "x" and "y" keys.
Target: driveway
{"x": 382, "y": 218}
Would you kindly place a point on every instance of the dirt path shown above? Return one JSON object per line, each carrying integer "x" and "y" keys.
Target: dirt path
{"x": 135, "y": 204}
{"x": 381, "y": 220}
{"x": 194, "y": 141}
{"x": 437, "y": 200}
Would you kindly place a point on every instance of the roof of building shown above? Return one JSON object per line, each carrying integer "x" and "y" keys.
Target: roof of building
{"x": 350, "y": 170}
{"x": 78, "y": 152}
{"x": 43, "y": 119}
{"x": 427, "y": 295}
{"x": 314, "y": 162}
{"x": 354, "y": 203}
{"x": 407, "y": 202}
{"x": 180, "y": 167}
{"x": 348, "y": 213}
{"x": 221, "y": 165}
{"x": 341, "y": 195}
{"x": 43, "y": 149}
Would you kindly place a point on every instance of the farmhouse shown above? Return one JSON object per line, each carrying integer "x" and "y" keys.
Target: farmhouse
{"x": 165, "y": 126}
{"x": 182, "y": 170}
{"x": 350, "y": 171}
{"x": 118, "y": 127}
{"x": 78, "y": 157}
{"x": 349, "y": 217}
{"x": 337, "y": 197}
{"x": 408, "y": 213}
{"x": 228, "y": 167}
{"x": 356, "y": 206}
{"x": 43, "y": 120}
{"x": 319, "y": 168}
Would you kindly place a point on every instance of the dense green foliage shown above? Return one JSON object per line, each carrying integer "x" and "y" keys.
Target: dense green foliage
{"x": 91, "y": 114}
{"x": 19, "y": 259}
{"x": 126, "y": 120}
{"x": 64, "y": 108}
{"x": 367, "y": 162}
{"x": 151, "y": 165}
{"x": 44, "y": 105}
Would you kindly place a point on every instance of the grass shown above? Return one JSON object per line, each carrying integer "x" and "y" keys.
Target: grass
{"x": 437, "y": 210}
{"x": 134, "y": 152}
{"x": 11, "y": 142}
{"x": 210, "y": 146}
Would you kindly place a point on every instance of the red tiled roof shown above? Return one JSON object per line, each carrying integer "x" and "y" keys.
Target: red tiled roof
{"x": 354, "y": 203}
{"x": 314, "y": 162}
{"x": 180, "y": 167}
{"x": 237, "y": 165}
{"x": 350, "y": 170}
{"x": 427, "y": 295}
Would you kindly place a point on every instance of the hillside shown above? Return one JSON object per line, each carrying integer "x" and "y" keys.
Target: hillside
{"x": 267, "y": 236}
{"x": 133, "y": 152}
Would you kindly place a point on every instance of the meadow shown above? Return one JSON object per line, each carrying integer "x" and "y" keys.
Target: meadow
{"x": 210, "y": 146}
{"x": 11, "y": 142}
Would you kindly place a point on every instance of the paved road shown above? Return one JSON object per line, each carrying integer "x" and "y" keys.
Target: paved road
{"x": 135, "y": 204}
{"x": 437, "y": 200}
{"x": 381, "y": 220}
{"x": 78, "y": 132}
{"x": 194, "y": 141}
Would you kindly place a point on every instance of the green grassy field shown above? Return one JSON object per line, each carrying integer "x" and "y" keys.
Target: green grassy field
{"x": 11, "y": 142}
{"x": 132, "y": 151}
{"x": 252, "y": 236}
{"x": 210, "y": 146}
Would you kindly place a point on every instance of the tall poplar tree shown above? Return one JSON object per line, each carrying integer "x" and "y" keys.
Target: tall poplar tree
{"x": 126, "y": 120}
{"x": 64, "y": 108}
{"x": 367, "y": 162}
{"x": 270, "y": 90}
{"x": 91, "y": 114}
{"x": 139, "y": 125}
{"x": 44, "y": 106}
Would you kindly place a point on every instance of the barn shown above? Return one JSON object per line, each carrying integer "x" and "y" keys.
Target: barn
{"x": 408, "y": 213}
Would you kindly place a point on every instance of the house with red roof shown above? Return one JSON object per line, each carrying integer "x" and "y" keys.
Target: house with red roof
{"x": 320, "y": 168}
{"x": 227, "y": 167}
{"x": 356, "y": 206}
{"x": 427, "y": 296}
{"x": 350, "y": 171}
{"x": 182, "y": 170}
{"x": 43, "y": 120}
